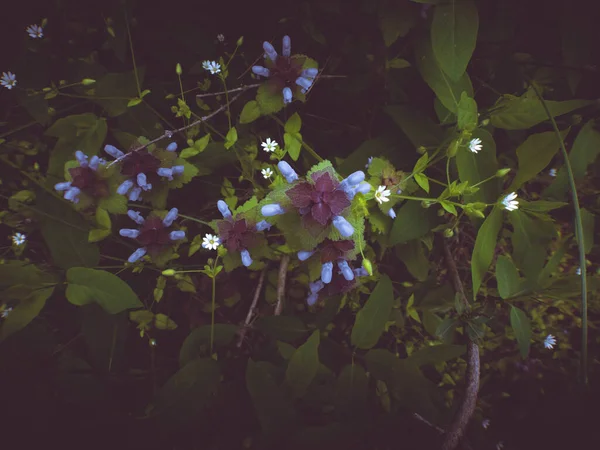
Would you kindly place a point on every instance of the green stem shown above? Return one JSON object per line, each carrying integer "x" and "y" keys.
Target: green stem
{"x": 226, "y": 100}
{"x": 137, "y": 79}
{"x": 448, "y": 171}
{"x": 580, "y": 244}
{"x": 304, "y": 144}
{"x": 212, "y": 312}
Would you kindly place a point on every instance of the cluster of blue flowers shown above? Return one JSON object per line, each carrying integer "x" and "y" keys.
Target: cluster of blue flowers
{"x": 83, "y": 177}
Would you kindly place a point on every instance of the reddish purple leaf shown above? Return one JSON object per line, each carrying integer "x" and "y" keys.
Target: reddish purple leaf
{"x": 300, "y": 195}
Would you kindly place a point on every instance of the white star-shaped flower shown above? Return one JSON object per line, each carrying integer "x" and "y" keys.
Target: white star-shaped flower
{"x": 220, "y": 37}
{"x": 8, "y": 80}
{"x": 552, "y": 172}
{"x": 578, "y": 271}
{"x": 549, "y": 342}
{"x": 267, "y": 173}
{"x": 269, "y": 145}
{"x": 510, "y": 203}
{"x": 369, "y": 161}
{"x": 212, "y": 66}
{"x": 5, "y": 312}
{"x": 485, "y": 423}
{"x": 35, "y": 31}
{"x": 475, "y": 145}
{"x": 210, "y": 242}
{"x": 382, "y": 194}
{"x": 18, "y": 238}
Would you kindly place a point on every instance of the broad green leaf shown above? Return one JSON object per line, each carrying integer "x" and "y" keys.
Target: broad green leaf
{"x": 98, "y": 234}
{"x": 453, "y": 35}
{"x": 24, "y": 312}
{"x": 397, "y": 63}
{"x": 545, "y": 276}
{"x": 103, "y": 219}
{"x": 587, "y": 219}
{"x": 445, "y": 330}
{"x": 250, "y": 112}
{"x": 15, "y": 272}
{"x": 303, "y": 365}
{"x": 198, "y": 147}
{"x": 270, "y": 101}
{"x": 134, "y": 102}
{"x": 467, "y": 113}
{"x": 422, "y": 181}
{"x": 198, "y": 341}
{"x": 113, "y": 90}
{"x": 507, "y": 277}
{"x": 534, "y": 155}
{"x": 293, "y": 124}
{"x": 412, "y": 222}
{"x": 231, "y": 138}
{"x": 485, "y": 244}
{"x": 396, "y": 21}
{"x": 447, "y": 90}
{"x": 449, "y": 207}
{"x": 520, "y": 113}
{"x": 421, "y": 164}
{"x": 106, "y": 289}
{"x": 522, "y": 328}
{"x": 371, "y": 319}
{"x": 540, "y": 206}
{"x": 164, "y": 322}
{"x": 293, "y": 144}
{"x": 413, "y": 256}
{"x": 283, "y": 328}
{"x": 351, "y": 391}
{"x": 436, "y": 354}
{"x": 530, "y": 239}
{"x": 418, "y": 127}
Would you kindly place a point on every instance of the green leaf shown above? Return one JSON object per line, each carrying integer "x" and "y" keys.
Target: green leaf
{"x": 293, "y": 124}
{"x": 24, "y": 312}
{"x": 587, "y": 219}
{"x": 417, "y": 126}
{"x": 412, "y": 222}
{"x": 198, "y": 147}
{"x": 520, "y": 113}
{"x": 134, "y": 102}
{"x": 269, "y": 101}
{"x": 476, "y": 167}
{"x": 396, "y": 21}
{"x": 449, "y": 207}
{"x": 534, "y": 155}
{"x": 117, "y": 88}
{"x": 522, "y": 328}
{"x": 231, "y": 138}
{"x": 293, "y": 144}
{"x": 507, "y": 277}
{"x": 447, "y": 90}
{"x": 453, "y": 35}
{"x": 371, "y": 319}
{"x": 198, "y": 341}
{"x": 351, "y": 392}
{"x": 250, "y": 112}
{"x": 436, "y": 354}
{"x": 445, "y": 330}
{"x": 467, "y": 113}
{"x": 103, "y": 219}
{"x": 422, "y": 181}
{"x": 98, "y": 234}
{"x": 540, "y": 206}
{"x": 397, "y": 63}
{"x": 303, "y": 365}
{"x": 15, "y": 272}
{"x": 108, "y": 290}
{"x": 530, "y": 239}
{"x": 485, "y": 244}
{"x": 282, "y": 328}
{"x": 413, "y": 256}
{"x": 421, "y": 164}
{"x": 164, "y": 322}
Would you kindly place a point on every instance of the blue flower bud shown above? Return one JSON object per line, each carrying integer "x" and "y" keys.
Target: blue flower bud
{"x": 304, "y": 82}
{"x": 143, "y": 182}
{"x": 356, "y": 178}
{"x": 135, "y": 216}
{"x": 113, "y": 151}
{"x": 286, "y": 47}
{"x": 72, "y": 194}
{"x": 263, "y": 225}
{"x": 346, "y": 270}
{"x": 270, "y": 51}
{"x": 326, "y": 272}
{"x": 348, "y": 184}
{"x": 316, "y": 286}
{"x": 129, "y": 233}
{"x": 304, "y": 255}
{"x": 134, "y": 194}
{"x": 343, "y": 226}
{"x": 391, "y": 213}
{"x": 310, "y": 73}
{"x": 262, "y": 71}
{"x": 65, "y": 185}
{"x": 312, "y": 299}
{"x": 287, "y": 171}
{"x": 139, "y": 253}
{"x": 124, "y": 187}
{"x": 164, "y": 172}
{"x": 363, "y": 188}
{"x": 177, "y": 170}
{"x": 81, "y": 158}
{"x": 272, "y": 210}
{"x": 224, "y": 209}
{"x": 287, "y": 95}
{"x": 246, "y": 259}
{"x": 399, "y": 191}
{"x": 170, "y": 217}
{"x": 361, "y": 272}
{"x": 177, "y": 235}
{"x": 172, "y": 147}
{"x": 94, "y": 162}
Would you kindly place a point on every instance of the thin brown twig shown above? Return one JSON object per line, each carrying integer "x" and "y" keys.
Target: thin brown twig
{"x": 283, "y": 266}
{"x": 241, "y": 88}
{"x": 244, "y": 330}
{"x": 461, "y": 419}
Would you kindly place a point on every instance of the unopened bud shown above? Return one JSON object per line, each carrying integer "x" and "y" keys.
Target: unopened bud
{"x": 178, "y": 69}
{"x": 240, "y": 41}
{"x": 421, "y": 150}
{"x": 87, "y": 81}
{"x": 168, "y": 272}
{"x": 502, "y": 172}
{"x": 485, "y": 122}
{"x": 448, "y": 233}
{"x": 367, "y": 266}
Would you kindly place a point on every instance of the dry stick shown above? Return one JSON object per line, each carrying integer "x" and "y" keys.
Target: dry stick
{"x": 244, "y": 330}
{"x": 461, "y": 419}
{"x": 283, "y": 266}
{"x": 241, "y": 88}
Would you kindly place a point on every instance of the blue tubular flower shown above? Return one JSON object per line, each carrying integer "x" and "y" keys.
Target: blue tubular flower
{"x": 286, "y": 47}
{"x": 287, "y": 171}
{"x": 136, "y": 217}
{"x": 84, "y": 179}
{"x": 316, "y": 286}
{"x": 304, "y": 83}
{"x": 134, "y": 194}
{"x": 262, "y": 71}
{"x": 81, "y": 158}
{"x": 287, "y": 95}
{"x": 172, "y": 147}
{"x": 312, "y": 299}
{"x": 113, "y": 151}
{"x": 361, "y": 272}
{"x": 129, "y": 233}
{"x": 263, "y": 225}
{"x": 177, "y": 235}
{"x": 139, "y": 253}
{"x": 304, "y": 255}
{"x": 310, "y": 73}
{"x": 391, "y": 213}
{"x": 95, "y": 162}
{"x": 169, "y": 173}
{"x": 346, "y": 270}
{"x": 72, "y": 194}
{"x": 124, "y": 187}
{"x": 363, "y": 188}
{"x": 246, "y": 259}
{"x": 170, "y": 217}
{"x": 224, "y": 209}
{"x": 270, "y": 51}
{"x": 142, "y": 182}
{"x": 272, "y": 210}
{"x": 327, "y": 272}
{"x": 343, "y": 226}
{"x": 349, "y": 183}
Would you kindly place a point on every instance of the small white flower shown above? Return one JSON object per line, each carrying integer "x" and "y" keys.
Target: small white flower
{"x": 549, "y": 342}
{"x": 210, "y": 242}
{"x": 267, "y": 173}
{"x": 8, "y": 80}
{"x": 35, "y": 31}
{"x": 369, "y": 161}
{"x": 382, "y": 194}
{"x": 485, "y": 423}
{"x": 212, "y": 66}
{"x": 500, "y": 445}
{"x": 5, "y": 312}
{"x": 18, "y": 238}
{"x": 220, "y": 37}
{"x": 578, "y": 271}
{"x": 552, "y": 172}
{"x": 269, "y": 145}
{"x": 475, "y": 145}
{"x": 510, "y": 203}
